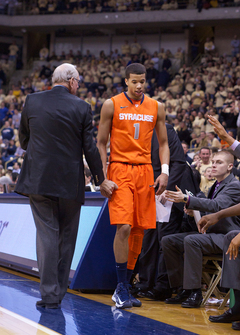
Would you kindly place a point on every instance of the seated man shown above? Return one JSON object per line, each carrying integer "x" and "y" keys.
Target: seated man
{"x": 231, "y": 256}
{"x": 187, "y": 272}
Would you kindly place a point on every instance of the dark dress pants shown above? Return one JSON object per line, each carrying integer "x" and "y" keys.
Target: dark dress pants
{"x": 152, "y": 268}
{"x": 231, "y": 268}
{"x": 57, "y": 222}
{"x": 187, "y": 271}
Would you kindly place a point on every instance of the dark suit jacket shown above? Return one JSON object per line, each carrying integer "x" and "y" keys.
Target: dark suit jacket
{"x": 227, "y": 194}
{"x": 177, "y": 160}
{"x": 55, "y": 129}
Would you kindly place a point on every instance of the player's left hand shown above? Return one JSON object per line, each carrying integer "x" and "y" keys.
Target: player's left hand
{"x": 161, "y": 181}
{"x": 234, "y": 247}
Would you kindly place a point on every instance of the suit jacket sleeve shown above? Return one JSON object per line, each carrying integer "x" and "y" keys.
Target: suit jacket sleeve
{"x": 237, "y": 151}
{"x": 226, "y": 197}
{"x": 90, "y": 149}
{"x": 24, "y": 131}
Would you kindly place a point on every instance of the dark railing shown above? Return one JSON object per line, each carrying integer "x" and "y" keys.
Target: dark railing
{"x": 26, "y": 7}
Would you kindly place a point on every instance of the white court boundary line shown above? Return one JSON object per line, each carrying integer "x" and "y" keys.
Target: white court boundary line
{"x": 29, "y": 322}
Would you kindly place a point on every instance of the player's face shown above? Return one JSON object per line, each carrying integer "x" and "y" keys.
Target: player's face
{"x": 135, "y": 85}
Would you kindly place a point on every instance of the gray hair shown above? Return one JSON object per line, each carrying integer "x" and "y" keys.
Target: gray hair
{"x": 64, "y": 72}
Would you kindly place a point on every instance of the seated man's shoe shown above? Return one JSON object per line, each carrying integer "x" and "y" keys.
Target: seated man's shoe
{"x": 226, "y": 317}
{"x": 236, "y": 325}
{"x": 193, "y": 301}
{"x": 43, "y": 304}
{"x": 158, "y": 295}
{"x": 179, "y": 298}
{"x": 137, "y": 291}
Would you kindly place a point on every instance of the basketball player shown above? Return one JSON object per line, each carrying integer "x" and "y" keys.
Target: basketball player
{"x": 130, "y": 119}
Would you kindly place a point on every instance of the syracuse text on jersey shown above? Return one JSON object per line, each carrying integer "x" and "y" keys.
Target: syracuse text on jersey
{"x": 137, "y": 117}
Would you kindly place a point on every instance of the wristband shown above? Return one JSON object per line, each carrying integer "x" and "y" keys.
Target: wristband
{"x": 165, "y": 169}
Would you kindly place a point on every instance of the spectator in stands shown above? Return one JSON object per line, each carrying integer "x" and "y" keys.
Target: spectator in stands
{"x": 197, "y": 97}
{"x": 209, "y": 47}
{"x": 166, "y": 63}
{"x": 125, "y": 48}
{"x": 7, "y": 132}
{"x": 206, "y": 181}
{"x": 202, "y": 140}
{"x": 43, "y": 53}
{"x": 46, "y": 71}
{"x": 235, "y": 45}
{"x": 13, "y": 51}
{"x": 16, "y": 118}
{"x": 220, "y": 97}
{"x": 42, "y": 4}
{"x": 179, "y": 54}
{"x": 3, "y": 113}
{"x": 135, "y": 48}
{"x": 185, "y": 147}
{"x": 198, "y": 123}
{"x": 16, "y": 168}
{"x": 163, "y": 78}
{"x": 187, "y": 272}
{"x": 205, "y": 159}
{"x": 152, "y": 74}
{"x": 213, "y": 141}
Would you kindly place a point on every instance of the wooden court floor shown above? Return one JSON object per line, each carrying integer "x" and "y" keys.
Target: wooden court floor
{"x": 94, "y": 314}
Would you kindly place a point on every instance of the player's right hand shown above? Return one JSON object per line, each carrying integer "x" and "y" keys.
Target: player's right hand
{"x": 107, "y": 187}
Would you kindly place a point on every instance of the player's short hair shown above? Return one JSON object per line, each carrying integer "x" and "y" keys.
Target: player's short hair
{"x": 135, "y": 68}
{"x": 64, "y": 72}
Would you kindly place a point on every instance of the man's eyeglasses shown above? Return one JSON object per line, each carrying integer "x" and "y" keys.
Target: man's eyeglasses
{"x": 79, "y": 81}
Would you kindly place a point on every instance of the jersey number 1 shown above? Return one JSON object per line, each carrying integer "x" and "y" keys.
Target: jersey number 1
{"x": 136, "y": 133}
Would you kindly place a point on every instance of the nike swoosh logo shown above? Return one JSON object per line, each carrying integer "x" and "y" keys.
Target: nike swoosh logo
{"x": 123, "y": 107}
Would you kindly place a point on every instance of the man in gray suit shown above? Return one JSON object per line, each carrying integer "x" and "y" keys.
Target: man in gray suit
{"x": 187, "y": 272}
{"x": 231, "y": 256}
{"x": 55, "y": 130}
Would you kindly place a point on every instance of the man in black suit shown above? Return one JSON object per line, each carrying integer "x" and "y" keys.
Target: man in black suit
{"x": 187, "y": 271}
{"x": 151, "y": 260}
{"x": 55, "y": 129}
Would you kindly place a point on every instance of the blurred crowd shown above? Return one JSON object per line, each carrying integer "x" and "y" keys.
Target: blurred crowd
{"x": 14, "y": 7}
{"x": 189, "y": 95}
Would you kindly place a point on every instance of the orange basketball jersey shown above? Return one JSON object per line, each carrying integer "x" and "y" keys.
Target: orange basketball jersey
{"x": 132, "y": 128}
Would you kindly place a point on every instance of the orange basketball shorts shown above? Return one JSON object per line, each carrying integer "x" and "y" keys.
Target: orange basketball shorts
{"x": 133, "y": 202}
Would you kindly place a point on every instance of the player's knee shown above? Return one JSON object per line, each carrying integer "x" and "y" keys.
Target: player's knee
{"x": 123, "y": 231}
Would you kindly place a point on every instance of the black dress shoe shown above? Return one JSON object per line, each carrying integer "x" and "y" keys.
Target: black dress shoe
{"x": 43, "y": 304}
{"x": 137, "y": 291}
{"x": 236, "y": 325}
{"x": 158, "y": 295}
{"x": 226, "y": 317}
{"x": 179, "y": 298}
{"x": 193, "y": 301}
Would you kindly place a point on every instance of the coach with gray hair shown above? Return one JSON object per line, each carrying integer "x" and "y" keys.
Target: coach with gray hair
{"x": 55, "y": 130}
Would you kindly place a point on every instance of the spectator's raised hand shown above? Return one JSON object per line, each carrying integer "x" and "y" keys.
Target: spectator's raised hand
{"x": 219, "y": 129}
